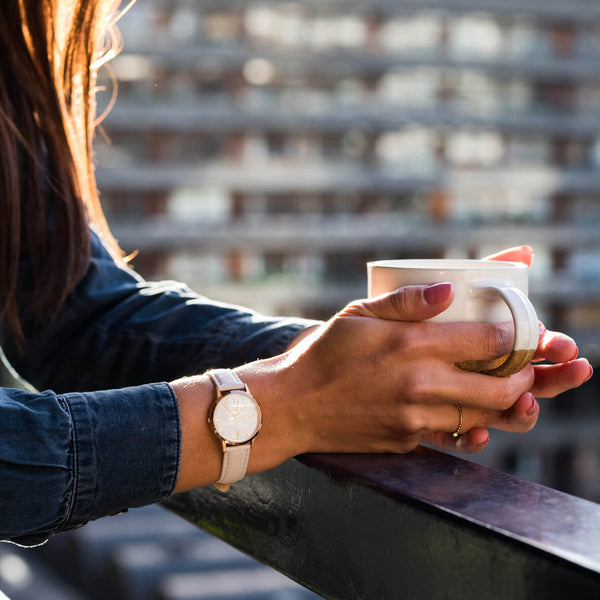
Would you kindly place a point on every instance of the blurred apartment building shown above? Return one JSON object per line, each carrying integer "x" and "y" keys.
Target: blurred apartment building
{"x": 263, "y": 151}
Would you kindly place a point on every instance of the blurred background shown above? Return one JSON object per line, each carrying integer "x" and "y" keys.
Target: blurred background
{"x": 262, "y": 152}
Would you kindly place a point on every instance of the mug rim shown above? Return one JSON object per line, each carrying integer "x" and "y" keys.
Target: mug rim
{"x": 445, "y": 264}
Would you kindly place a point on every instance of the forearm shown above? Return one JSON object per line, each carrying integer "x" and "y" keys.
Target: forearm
{"x": 117, "y": 330}
{"x": 65, "y": 460}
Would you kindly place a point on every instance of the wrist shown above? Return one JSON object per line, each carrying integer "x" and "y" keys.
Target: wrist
{"x": 284, "y": 432}
{"x": 200, "y": 455}
{"x": 285, "y": 429}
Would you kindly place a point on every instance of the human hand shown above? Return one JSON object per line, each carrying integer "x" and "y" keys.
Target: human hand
{"x": 378, "y": 377}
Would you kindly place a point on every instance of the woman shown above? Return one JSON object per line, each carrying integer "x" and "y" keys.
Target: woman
{"x": 75, "y": 318}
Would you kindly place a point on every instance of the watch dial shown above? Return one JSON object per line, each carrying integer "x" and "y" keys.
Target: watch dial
{"x": 237, "y": 417}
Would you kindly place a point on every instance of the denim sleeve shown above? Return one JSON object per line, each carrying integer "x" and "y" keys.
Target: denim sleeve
{"x": 66, "y": 460}
{"x": 117, "y": 330}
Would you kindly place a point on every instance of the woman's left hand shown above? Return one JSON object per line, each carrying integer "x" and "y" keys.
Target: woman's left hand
{"x": 564, "y": 372}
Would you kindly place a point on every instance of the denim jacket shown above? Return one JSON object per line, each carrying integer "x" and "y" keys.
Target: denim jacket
{"x": 74, "y": 454}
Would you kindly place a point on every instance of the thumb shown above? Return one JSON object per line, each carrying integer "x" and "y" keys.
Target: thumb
{"x": 408, "y": 303}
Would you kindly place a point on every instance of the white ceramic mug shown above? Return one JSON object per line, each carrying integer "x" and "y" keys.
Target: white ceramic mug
{"x": 484, "y": 292}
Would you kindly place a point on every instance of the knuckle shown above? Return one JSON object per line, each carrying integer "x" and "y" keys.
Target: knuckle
{"x": 497, "y": 340}
{"x": 413, "y": 424}
{"x": 355, "y": 307}
{"x": 508, "y": 391}
{"x": 407, "y": 344}
{"x": 529, "y": 374}
{"x": 416, "y": 388}
{"x": 407, "y": 300}
{"x": 401, "y": 301}
{"x": 416, "y": 425}
{"x": 502, "y": 396}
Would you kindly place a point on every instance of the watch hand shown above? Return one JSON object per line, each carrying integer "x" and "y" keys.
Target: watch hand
{"x": 229, "y": 408}
{"x": 239, "y": 408}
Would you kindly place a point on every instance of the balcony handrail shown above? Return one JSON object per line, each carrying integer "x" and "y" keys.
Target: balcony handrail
{"x": 230, "y": 58}
{"x": 284, "y": 235}
{"x": 577, "y": 11}
{"x": 422, "y": 525}
{"x": 265, "y": 177}
{"x": 202, "y": 117}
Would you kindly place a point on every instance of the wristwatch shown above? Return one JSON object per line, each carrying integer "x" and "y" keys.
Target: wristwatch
{"x": 235, "y": 419}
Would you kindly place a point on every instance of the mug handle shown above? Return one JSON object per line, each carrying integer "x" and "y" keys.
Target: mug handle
{"x": 526, "y": 332}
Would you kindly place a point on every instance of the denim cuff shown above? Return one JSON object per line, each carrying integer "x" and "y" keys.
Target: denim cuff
{"x": 126, "y": 448}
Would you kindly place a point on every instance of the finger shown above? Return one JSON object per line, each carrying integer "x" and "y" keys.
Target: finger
{"x": 459, "y": 417}
{"x": 521, "y": 417}
{"x": 408, "y": 303}
{"x": 481, "y": 342}
{"x": 449, "y": 386}
{"x": 555, "y": 347}
{"x": 473, "y": 441}
{"x": 453, "y": 342}
{"x": 552, "y": 380}
{"x": 522, "y": 254}
{"x": 460, "y": 342}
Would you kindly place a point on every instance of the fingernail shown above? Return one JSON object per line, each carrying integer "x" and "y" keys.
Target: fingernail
{"x": 590, "y": 374}
{"x": 533, "y": 408}
{"x": 542, "y": 328}
{"x": 436, "y": 293}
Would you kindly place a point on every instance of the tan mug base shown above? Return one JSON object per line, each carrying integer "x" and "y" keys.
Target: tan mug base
{"x": 499, "y": 367}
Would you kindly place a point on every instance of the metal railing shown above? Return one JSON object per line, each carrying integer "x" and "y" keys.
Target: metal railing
{"x": 421, "y": 525}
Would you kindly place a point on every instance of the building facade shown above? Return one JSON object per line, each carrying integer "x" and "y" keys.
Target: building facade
{"x": 264, "y": 151}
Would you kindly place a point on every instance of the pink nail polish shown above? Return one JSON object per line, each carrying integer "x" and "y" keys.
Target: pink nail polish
{"x": 436, "y": 293}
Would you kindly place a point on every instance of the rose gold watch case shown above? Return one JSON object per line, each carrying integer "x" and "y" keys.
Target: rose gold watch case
{"x": 224, "y": 440}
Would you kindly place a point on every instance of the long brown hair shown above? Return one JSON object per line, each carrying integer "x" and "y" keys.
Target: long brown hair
{"x": 50, "y": 51}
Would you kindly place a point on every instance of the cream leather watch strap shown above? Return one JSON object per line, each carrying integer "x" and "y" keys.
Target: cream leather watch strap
{"x": 235, "y": 458}
{"x": 226, "y": 380}
{"x": 235, "y": 463}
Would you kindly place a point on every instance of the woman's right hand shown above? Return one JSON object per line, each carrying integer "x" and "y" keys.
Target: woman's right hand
{"x": 377, "y": 378}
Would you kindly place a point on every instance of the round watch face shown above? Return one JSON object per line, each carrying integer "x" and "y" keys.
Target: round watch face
{"x": 236, "y": 417}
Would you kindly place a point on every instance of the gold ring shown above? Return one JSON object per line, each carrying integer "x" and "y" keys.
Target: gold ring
{"x": 456, "y": 433}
